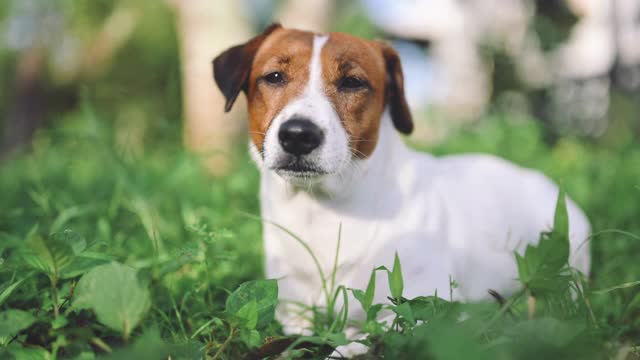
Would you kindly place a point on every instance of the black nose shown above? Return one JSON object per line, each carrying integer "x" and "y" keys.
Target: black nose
{"x": 299, "y": 136}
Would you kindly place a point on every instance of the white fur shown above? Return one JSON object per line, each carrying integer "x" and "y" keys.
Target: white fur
{"x": 459, "y": 216}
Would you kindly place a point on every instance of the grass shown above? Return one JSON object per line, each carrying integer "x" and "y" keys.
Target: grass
{"x": 169, "y": 247}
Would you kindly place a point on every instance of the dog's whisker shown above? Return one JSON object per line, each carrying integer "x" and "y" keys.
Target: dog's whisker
{"x": 358, "y": 153}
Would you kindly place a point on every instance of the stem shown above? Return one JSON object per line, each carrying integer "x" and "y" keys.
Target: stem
{"x": 125, "y": 331}
{"x": 56, "y": 307}
{"x": 101, "y": 344}
{"x": 70, "y": 296}
{"x": 450, "y": 289}
{"x": 224, "y": 345}
{"x": 344, "y": 311}
{"x": 323, "y": 279}
{"x": 335, "y": 260}
{"x": 179, "y": 317}
{"x": 501, "y": 312}
{"x": 607, "y": 231}
{"x": 330, "y": 306}
{"x": 531, "y": 306}
{"x": 579, "y": 288}
{"x": 208, "y": 295}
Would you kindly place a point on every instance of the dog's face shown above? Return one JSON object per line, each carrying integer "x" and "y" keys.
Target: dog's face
{"x": 315, "y": 101}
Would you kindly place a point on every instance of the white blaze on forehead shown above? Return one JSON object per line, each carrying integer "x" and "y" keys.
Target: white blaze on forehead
{"x": 315, "y": 67}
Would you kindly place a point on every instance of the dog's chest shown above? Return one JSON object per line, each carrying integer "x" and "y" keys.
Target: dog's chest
{"x": 326, "y": 231}
{"x": 371, "y": 228}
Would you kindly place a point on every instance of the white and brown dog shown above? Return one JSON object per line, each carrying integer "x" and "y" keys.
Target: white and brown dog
{"x": 322, "y": 113}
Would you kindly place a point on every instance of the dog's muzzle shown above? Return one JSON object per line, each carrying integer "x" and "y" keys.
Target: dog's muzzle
{"x": 298, "y": 137}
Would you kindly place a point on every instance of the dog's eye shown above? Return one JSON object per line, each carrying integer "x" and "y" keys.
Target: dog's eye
{"x": 350, "y": 83}
{"x": 274, "y": 78}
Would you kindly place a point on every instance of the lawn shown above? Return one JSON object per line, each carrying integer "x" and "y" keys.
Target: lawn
{"x": 106, "y": 252}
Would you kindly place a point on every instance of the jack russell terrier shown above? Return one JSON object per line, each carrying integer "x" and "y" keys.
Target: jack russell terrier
{"x": 324, "y": 116}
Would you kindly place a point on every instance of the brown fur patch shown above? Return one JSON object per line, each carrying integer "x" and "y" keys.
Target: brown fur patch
{"x": 285, "y": 51}
{"x": 348, "y": 56}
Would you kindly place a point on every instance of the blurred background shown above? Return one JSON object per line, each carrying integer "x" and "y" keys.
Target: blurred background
{"x": 145, "y": 66}
{"x": 112, "y": 126}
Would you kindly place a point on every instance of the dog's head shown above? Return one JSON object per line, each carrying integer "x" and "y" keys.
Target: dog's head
{"x": 315, "y": 101}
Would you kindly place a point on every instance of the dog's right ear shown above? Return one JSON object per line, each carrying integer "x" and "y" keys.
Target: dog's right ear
{"x": 231, "y": 69}
{"x": 394, "y": 93}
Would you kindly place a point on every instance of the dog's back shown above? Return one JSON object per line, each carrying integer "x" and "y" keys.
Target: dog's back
{"x": 495, "y": 208}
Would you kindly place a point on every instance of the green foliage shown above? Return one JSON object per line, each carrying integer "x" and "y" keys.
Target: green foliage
{"x": 255, "y": 302}
{"x": 544, "y": 266}
{"x": 114, "y": 292}
{"x": 12, "y": 321}
{"x": 21, "y": 353}
{"x": 366, "y": 297}
{"x": 61, "y": 256}
{"x": 396, "y": 284}
{"x": 90, "y": 237}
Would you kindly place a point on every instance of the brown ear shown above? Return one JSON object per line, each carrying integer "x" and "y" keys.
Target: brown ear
{"x": 231, "y": 69}
{"x": 394, "y": 92}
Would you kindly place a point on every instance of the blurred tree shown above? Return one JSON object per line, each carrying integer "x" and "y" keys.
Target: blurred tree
{"x": 52, "y": 59}
{"x": 206, "y": 28}
{"x": 311, "y": 15}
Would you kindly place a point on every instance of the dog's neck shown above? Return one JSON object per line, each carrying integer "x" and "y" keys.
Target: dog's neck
{"x": 359, "y": 175}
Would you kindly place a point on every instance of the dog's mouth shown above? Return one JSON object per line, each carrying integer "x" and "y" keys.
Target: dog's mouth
{"x": 299, "y": 169}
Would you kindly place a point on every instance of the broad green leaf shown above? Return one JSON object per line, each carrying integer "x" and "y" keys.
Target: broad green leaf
{"x": 249, "y": 314}
{"x": 114, "y": 292}
{"x": 543, "y": 266}
{"x": 372, "y": 326}
{"x": 147, "y": 346}
{"x": 24, "y": 353}
{"x": 359, "y": 295}
{"x": 396, "y": 284}
{"x": 13, "y": 321}
{"x": 561, "y": 217}
{"x": 85, "y": 355}
{"x": 634, "y": 304}
{"x": 6, "y": 291}
{"x": 61, "y": 255}
{"x": 523, "y": 269}
{"x": 554, "y": 247}
{"x": 74, "y": 240}
{"x": 373, "y": 311}
{"x": 48, "y": 256}
{"x": 337, "y": 339}
{"x": 83, "y": 263}
{"x": 67, "y": 214}
{"x": 427, "y": 308}
{"x": 59, "y": 322}
{"x": 366, "y": 298}
{"x": 371, "y": 289}
{"x": 250, "y": 337}
{"x": 263, "y": 292}
{"x": 404, "y": 310}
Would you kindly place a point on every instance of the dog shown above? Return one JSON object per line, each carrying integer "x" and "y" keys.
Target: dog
{"x": 325, "y": 117}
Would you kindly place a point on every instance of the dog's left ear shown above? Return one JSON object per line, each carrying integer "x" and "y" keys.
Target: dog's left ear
{"x": 394, "y": 92}
{"x": 232, "y": 68}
